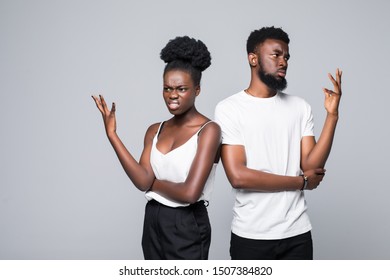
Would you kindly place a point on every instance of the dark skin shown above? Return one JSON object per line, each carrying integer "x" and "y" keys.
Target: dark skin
{"x": 272, "y": 56}
{"x": 179, "y": 95}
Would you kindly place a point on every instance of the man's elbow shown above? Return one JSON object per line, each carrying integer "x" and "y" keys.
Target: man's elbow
{"x": 311, "y": 166}
{"x": 306, "y": 164}
{"x": 236, "y": 181}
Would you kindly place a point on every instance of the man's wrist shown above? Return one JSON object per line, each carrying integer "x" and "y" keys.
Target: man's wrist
{"x": 111, "y": 134}
{"x": 304, "y": 184}
{"x": 334, "y": 116}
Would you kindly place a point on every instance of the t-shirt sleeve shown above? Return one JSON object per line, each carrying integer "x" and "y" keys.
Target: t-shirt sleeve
{"x": 308, "y": 121}
{"x": 227, "y": 118}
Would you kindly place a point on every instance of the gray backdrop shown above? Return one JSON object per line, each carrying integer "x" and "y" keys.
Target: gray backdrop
{"x": 63, "y": 193}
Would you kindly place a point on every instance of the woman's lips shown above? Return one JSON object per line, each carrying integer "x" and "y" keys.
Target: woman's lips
{"x": 173, "y": 105}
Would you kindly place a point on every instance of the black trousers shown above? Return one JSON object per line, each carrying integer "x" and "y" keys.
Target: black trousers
{"x": 181, "y": 233}
{"x": 298, "y": 247}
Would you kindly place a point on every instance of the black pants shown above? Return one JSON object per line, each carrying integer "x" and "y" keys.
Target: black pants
{"x": 298, "y": 247}
{"x": 181, "y": 233}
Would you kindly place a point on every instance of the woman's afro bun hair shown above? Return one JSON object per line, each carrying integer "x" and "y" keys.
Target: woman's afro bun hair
{"x": 188, "y": 50}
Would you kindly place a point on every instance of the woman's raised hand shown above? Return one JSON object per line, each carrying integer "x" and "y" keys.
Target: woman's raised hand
{"x": 108, "y": 115}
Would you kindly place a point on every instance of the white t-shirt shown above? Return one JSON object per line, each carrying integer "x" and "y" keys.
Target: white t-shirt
{"x": 174, "y": 166}
{"x": 271, "y": 130}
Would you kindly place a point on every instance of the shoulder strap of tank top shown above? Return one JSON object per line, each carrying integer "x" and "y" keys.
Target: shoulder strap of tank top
{"x": 159, "y": 128}
{"x": 200, "y": 129}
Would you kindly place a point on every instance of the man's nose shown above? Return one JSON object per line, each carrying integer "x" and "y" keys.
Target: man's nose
{"x": 283, "y": 62}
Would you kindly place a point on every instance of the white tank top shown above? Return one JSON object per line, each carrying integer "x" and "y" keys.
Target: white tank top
{"x": 175, "y": 165}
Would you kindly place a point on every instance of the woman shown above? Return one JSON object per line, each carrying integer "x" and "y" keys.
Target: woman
{"x": 177, "y": 166}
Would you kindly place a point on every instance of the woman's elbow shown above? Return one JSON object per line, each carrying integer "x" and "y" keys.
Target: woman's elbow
{"x": 192, "y": 196}
{"x": 142, "y": 188}
{"x": 143, "y": 185}
{"x": 191, "y": 199}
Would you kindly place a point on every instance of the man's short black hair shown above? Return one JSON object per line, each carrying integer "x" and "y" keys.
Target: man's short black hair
{"x": 259, "y": 36}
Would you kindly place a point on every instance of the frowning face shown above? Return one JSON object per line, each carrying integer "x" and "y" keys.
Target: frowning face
{"x": 179, "y": 91}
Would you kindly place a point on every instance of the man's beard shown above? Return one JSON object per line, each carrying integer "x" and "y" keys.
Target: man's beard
{"x": 271, "y": 81}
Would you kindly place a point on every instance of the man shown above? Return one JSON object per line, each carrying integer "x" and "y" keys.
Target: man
{"x": 270, "y": 155}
